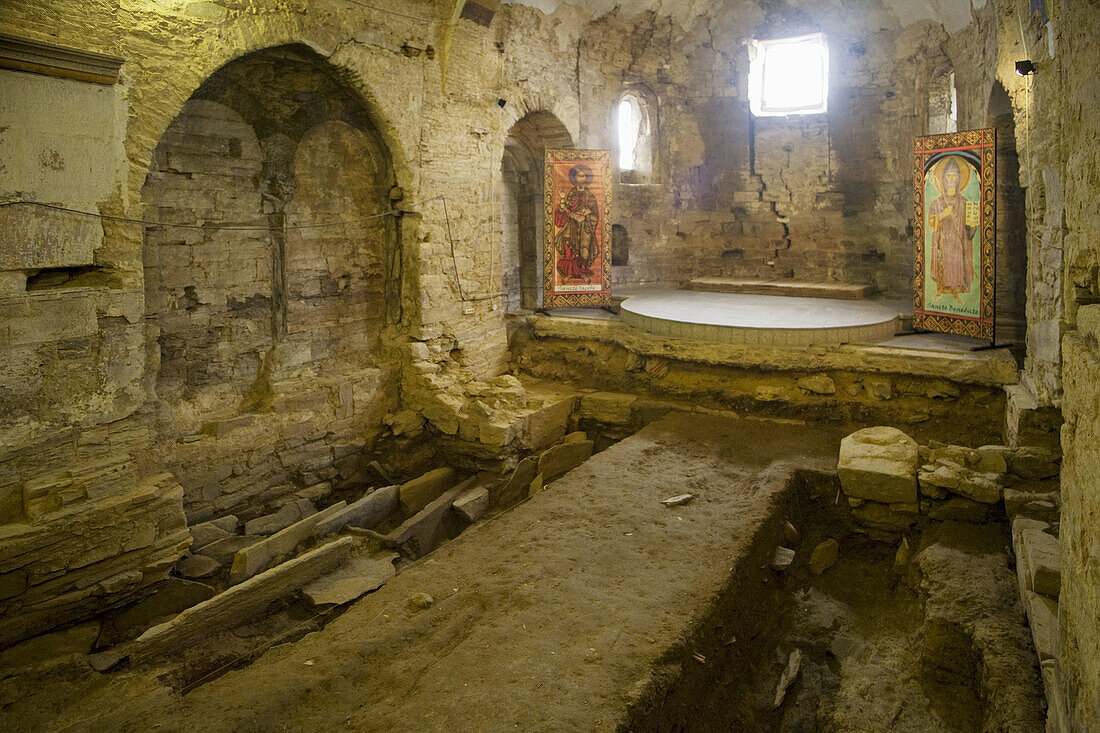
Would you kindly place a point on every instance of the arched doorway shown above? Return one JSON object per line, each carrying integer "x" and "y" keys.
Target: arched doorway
{"x": 521, "y": 207}
{"x": 1011, "y": 225}
{"x": 265, "y": 276}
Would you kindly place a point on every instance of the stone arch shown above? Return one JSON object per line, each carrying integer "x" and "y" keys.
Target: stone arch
{"x": 265, "y": 310}
{"x": 1012, "y": 249}
{"x": 521, "y": 206}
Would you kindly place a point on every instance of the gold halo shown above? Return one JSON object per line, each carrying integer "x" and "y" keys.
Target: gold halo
{"x": 964, "y": 172}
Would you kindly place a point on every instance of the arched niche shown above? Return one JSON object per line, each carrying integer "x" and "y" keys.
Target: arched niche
{"x": 269, "y": 277}
{"x": 521, "y": 206}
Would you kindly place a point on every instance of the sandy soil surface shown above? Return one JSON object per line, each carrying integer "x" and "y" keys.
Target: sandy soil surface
{"x": 573, "y": 611}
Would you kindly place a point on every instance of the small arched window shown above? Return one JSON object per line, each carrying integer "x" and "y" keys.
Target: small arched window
{"x": 635, "y": 138}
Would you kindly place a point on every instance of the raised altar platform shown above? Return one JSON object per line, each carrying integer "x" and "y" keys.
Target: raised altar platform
{"x": 776, "y": 320}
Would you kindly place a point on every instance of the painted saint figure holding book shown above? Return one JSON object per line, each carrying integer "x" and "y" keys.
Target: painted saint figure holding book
{"x": 953, "y": 219}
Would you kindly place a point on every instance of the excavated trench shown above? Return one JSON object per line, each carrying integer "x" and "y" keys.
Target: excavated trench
{"x": 879, "y": 640}
{"x": 577, "y": 592}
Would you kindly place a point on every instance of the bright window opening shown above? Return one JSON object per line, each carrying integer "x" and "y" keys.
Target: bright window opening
{"x": 789, "y": 76}
{"x": 630, "y": 121}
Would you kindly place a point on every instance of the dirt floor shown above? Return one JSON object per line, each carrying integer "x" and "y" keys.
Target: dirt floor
{"x": 592, "y": 606}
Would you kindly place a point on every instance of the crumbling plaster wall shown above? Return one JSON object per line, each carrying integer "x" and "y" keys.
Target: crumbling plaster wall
{"x": 111, "y": 522}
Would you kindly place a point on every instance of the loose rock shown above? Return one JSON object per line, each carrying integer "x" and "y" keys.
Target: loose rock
{"x": 824, "y": 556}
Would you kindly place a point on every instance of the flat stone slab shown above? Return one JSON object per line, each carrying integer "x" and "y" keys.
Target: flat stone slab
{"x": 472, "y": 503}
{"x": 289, "y": 514}
{"x": 572, "y": 608}
{"x": 422, "y": 490}
{"x": 558, "y": 460}
{"x": 367, "y": 513}
{"x": 1042, "y": 562}
{"x": 255, "y": 558}
{"x": 424, "y": 531}
{"x": 240, "y": 602}
{"x": 842, "y": 291}
{"x": 358, "y": 576}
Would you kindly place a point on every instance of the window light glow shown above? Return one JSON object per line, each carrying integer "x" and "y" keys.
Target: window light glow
{"x": 789, "y": 76}
{"x": 629, "y": 132}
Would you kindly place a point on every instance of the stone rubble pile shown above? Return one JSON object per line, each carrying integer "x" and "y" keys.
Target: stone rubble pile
{"x": 892, "y": 484}
{"x": 291, "y": 551}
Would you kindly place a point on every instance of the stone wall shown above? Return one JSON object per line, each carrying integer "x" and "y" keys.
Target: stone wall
{"x": 110, "y": 380}
{"x": 1078, "y": 55}
{"x": 818, "y": 197}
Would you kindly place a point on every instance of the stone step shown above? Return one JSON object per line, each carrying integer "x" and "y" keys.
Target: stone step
{"x": 799, "y": 288}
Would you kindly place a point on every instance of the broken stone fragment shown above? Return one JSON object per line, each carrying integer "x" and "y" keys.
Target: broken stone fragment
{"x": 678, "y": 500}
{"x": 612, "y": 408}
{"x": 472, "y": 504}
{"x": 558, "y": 460}
{"x": 946, "y": 474}
{"x": 879, "y": 516}
{"x": 790, "y": 672}
{"x": 405, "y": 422}
{"x": 51, "y": 646}
{"x": 169, "y": 597}
{"x": 421, "y": 601}
{"x": 991, "y": 459}
{"x": 280, "y": 520}
{"x": 902, "y": 557}
{"x": 1017, "y": 502}
{"x": 824, "y": 556}
{"x": 196, "y": 567}
{"x": 422, "y": 490}
{"x": 241, "y": 602}
{"x": 367, "y": 513}
{"x": 1042, "y": 562}
{"x": 210, "y": 532}
{"x": 518, "y": 483}
{"x": 960, "y": 509}
{"x": 1042, "y": 616}
{"x": 358, "y": 576}
{"x": 782, "y": 558}
{"x": 817, "y": 384}
{"x": 879, "y": 464}
{"x": 223, "y": 551}
{"x": 424, "y": 531}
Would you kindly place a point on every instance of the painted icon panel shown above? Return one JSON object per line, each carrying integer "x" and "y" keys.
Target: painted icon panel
{"x": 577, "y": 247}
{"x": 955, "y": 225}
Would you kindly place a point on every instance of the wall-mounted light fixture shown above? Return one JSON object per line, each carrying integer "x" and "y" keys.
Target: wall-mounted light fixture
{"x": 1025, "y": 67}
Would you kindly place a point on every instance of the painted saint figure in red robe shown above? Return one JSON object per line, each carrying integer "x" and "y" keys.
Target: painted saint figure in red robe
{"x": 577, "y": 219}
{"x": 952, "y": 253}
